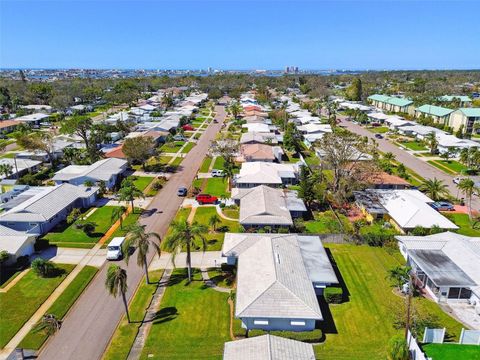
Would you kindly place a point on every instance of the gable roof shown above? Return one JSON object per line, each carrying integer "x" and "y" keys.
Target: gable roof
{"x": 392, "y": 100}
{"x": 100, "y": 170}
{"x": 470, "y": 112}
{"x": 257, "y": 152}
{"x": 273, "y": 282}
{"x": 259, "y": 137}
{"x": 462, "y": 98}
{"x": 265, "y": 173}
{"x": 268, "y": 347}
{"x": 434, "y": 110}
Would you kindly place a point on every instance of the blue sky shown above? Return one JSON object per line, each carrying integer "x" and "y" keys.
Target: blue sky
{"x": 240, "y": 35}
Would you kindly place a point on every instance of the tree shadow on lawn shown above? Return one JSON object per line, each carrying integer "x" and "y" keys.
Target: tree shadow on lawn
{"x": 164, "y": 315}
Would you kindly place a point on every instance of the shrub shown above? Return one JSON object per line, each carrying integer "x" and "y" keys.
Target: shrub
{"x": 223, "y": 228}
{"x": 157, "y": 185}
{"x": 333, "y": 295}
{"x": 305, "y": 336}
{"x": 42, "y": 267}
{"x": 222, "y": 205}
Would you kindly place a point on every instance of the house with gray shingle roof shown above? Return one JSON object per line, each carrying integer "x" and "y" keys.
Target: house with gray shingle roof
{"x": 268, "y": 347}
{"x": 278, "y": 279}
{"x": 107, "y": 170}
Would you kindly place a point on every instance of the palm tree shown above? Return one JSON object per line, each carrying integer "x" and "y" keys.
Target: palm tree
{"x": 214, "y": 221}
{"x": 235, "y": 109}
{"x": 467, "y": 186}
{"x": 49, "y": 323}
{"x": 117, "y": 215}
{"x": 432, "y": 141}
{"x": 228, "y": 170}
{"x": 389, "y": 156}
{"x": 434, "y": 188}
{"x": 6, "y": 169}
{"x": 184, "y": 234}
{"x": 143, "y": 241}
{"x": 128, "y": 192}
{"x": 116, "y": 283}
{"x": 399, "y": 275}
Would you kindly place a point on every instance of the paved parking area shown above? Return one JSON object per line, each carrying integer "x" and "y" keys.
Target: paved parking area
{"x": 200, "y": 259}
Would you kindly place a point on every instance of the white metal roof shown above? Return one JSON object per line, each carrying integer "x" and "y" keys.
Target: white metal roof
{"x": 100, "y": 170}
{"x": 259, "y": 172}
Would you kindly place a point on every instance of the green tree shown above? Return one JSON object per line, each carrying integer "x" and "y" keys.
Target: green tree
{"x": 307, "y": 186}
{"x": 42, "y": 141}
{"x": 398, "y": 349}
{"x": 6, "y": 170}
{"x": 213, "y": 221}
{"x": 42, "y": 267}
{"x": 74, "y": 215}
{"x": 354, "y": 91}
{"x": 434, "y": 188}
{"x": 291, "y": 137}
{"x": 467, "y": 187}
{"x": 184, "y": 234}
{"x": 117, "y": 215}
{"x": 49, "y": 324}
{"x": 399, "y": 275}
{"x": 389, "y": 156}
{"x": 128, "y": 192}
{"x": 432, "y": 142}
{"x": 116, "y": 284}
{"x": 235, "y": 109}
{"x": 139, "y": 149}
{"x": 143, "y": 241}
{"x": 79, "y": 125}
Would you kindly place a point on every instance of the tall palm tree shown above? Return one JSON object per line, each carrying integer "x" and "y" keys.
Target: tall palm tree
{"x": 117, "y": 215}
{"x": 143, "y": 241}
{"x": 116, "y": 283}
{"x": 184, "y": 234}
{"x": 235, "y": 109}
{"x": 214, "y": 221}
{"x": 389, "y": 156}
{"x": 432, "y": 142}
{"x": 128, "y": 192}
{"x": 229, "y": 172}
{"x": 6, "y": 169}
{"x": 49, "y": 323}
{"x": 434, "y": 188}
{"x": 467, "y": 186}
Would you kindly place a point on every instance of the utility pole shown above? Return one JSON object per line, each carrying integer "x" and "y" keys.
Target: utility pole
{"x": 409, "y": 304}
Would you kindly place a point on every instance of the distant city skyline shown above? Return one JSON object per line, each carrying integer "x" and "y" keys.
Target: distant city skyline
{"x": 267, "y": 35}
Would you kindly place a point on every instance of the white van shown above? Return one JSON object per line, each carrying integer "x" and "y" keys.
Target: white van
{"x": 114, "y": 249}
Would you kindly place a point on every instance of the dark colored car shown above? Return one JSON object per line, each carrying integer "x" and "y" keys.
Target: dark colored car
{"x": 379, "y": 136}
{"x": 206, "y": 199}
{"x": 443, "y": 206}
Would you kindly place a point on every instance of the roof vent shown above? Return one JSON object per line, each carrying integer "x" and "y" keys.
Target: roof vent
{"x": 278, "y": 258}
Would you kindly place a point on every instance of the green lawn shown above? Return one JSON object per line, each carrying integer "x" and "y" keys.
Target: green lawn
{"x": 172, "y": 147}
{"x": 182, "y": 214}
{"x": 463, "y": 221}
{"x": 125, "y": 333}
{"x": 205, "y": 164}
{"x": 19, "y": 303}
{"x": 141, "y": 182}
{"x": 436, "y": 163}
{"x": 102, "y": 217}
{"x": 362, "y": 326}
{"x": 192, "y": 323}
{"x": 214, "y": 239}
{"x": 217, "y": 187}
{"x": 452, "y": 351}
{"x": 379, "y": 129}
{"x": 414, "y": 145}
{"x": 188, "y": 147}
{"x": 177, "y": 161}
{"x": 231, "y": 213}
{"x": 327, "y": 223}
{"x": 131, "y": 219}
{"x": 219, "y": 163}
{"x": 60, "y": 307}
{"x": 453, "y": 165}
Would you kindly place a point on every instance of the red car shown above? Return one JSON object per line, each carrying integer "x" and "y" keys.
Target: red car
{"x": 188, "y": 127}
{"x": 206, "y": 199}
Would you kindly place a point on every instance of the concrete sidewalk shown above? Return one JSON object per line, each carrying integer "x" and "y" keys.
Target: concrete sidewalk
{"x": 200, "y": 259}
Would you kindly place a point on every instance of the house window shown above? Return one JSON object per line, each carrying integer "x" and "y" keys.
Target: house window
{"x": 260, "y": 322}
{"x": 297, "y": 323}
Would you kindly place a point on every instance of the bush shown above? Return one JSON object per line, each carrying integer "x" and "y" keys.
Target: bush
{"x": 305, "y": 336}
{"x": 222, "y": 205}
{"x": 333, "y": 295}
{"x": 157, "y": 185}
{"x": 43, "y": 268}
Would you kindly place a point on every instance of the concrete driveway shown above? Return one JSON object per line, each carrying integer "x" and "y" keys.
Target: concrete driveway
{"x": 199, "y": 259}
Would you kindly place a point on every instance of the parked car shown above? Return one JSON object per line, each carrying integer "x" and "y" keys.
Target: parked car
{"x": 379, "y": 136}
{"x": 188, "y": 127}
{"x": 114, "y": 248}
{"x": 206, "y": 199}
{"x": 218, "y": 173}
{"x": 179, "y": 137}
{"x": 443, "y": 206}
{"x": 182, "y": 191}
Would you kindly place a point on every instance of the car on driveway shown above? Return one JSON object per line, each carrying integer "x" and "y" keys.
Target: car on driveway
{"x": 182, "y": 191}
{"x": 218, "y": 173}
{"x": 188, "y": 127}
{"x": 379, "y": 136}
{"x": 206, "y": 199}
{"x": 443, "y": 206}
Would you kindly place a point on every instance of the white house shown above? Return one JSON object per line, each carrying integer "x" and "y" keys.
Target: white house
{"x": 446, "y": 265}
{"x": 19, "y": 166}
{"x": 266, "y": 173}
{"x": 107, "y": 170}
{"x": 465, "y": 117}
{"x": 16, "y": 243}
{"x": 278, "y": 279}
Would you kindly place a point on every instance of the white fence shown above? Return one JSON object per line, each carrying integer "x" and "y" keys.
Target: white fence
{"x": 470, "y": 337}
{"x": 433, "y": 335}
{"x": 415, "y": 352}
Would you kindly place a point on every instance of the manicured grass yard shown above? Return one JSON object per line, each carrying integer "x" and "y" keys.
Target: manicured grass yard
{"x": 453, "y": 165}
{"x": 177, "y": 161}
{"x": 173, "y": 147}
{"x": 19, "y": 303}
{"x": 188, "y": 147}
{"x": 141, "y": 182}
{"x": 192, "y": 323}
{"x": 60, "y": 307}
{"x": 102, "y": 217}
{"x": 362, "y": 326}
{"x": 128, "y": 221}
{"x": 219, "y": 163}
{"x": 217, "y": 187}
{"x": 442, "y": 167}
{"x": 379, "y": 129}
{"x": 463, "y": 221}
{"x": 214, "y": 239}
{"x": 125, "y": 333}
{"x": 452, "y": 351}
{"x": 327, "y": 223}
{"x": 205, "y": 164}
{"x": 231, "y": 213}
{"x": 414, "y": 145}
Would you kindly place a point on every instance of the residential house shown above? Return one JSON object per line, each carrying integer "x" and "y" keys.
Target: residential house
{"x": 265, "y": 206}
{"x": 19, "y": 167}
{"x": 38, "y": 108}
{"x": 39, "y": 213}
{"x": 384, "y": 180}
{"x": 260, "y": 152}
{"x": 466, "y": 117}
{"x": 462, "y": 99}
{"x": 440, "y": 115}
{"x": 256, "y": 127}
{"x": 446, "y": 265}
{"x": 16, "y": 243}
{"x": 268, "y": 347}
{"x": 278, "y": 279}
{"x": 390, "y": 103}
{"x": 259, "y": 138}
{"x": 404, "y": 209}
{"x": 107, "y": 170}
{"x": 314, "y": 132}
{"x": 7, "y": 126}
{"x": 32, "y": 119}
{"x": 264, "y": 173}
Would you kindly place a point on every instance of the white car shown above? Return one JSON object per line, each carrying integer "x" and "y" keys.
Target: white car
{"x": 114, "y": 248}
{"x": 217, "y": 173}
